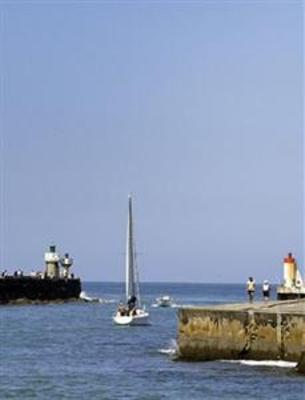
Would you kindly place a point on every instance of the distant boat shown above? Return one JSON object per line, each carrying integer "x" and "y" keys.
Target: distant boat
{"x": 132, "y": 312}
{"x": 164, "y": 301}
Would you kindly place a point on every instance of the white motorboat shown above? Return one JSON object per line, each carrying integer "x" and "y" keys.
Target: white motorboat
{"x": 164, "y": 301}
{"x": 132, "y": 312}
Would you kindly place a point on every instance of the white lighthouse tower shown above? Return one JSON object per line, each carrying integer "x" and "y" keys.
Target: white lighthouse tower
{"x": 66, "y": 262}
{"x": 51, "y": 259}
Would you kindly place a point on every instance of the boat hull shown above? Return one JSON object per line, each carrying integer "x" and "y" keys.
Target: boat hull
{"x": 141, "y": 318}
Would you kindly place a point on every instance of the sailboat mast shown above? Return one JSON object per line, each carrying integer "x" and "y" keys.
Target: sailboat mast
{"x": 130, "y": 267}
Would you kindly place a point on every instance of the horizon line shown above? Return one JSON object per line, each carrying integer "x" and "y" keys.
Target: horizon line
{"x": 177, "y": 282}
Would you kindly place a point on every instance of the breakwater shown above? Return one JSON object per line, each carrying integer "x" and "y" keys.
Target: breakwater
{"x": 32, "y": 289}
{"x": 262, "y": 331}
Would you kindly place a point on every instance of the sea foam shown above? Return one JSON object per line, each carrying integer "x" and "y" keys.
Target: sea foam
{"x": 264, "y": 363}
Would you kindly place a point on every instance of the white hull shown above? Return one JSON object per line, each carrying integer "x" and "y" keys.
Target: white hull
{"x": 141, "y": 318}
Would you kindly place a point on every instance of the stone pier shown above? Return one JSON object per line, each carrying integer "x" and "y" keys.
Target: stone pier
{"x": 259, "y": 331}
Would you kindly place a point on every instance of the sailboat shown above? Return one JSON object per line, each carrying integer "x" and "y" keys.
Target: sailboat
{"x": 132, "y": 312}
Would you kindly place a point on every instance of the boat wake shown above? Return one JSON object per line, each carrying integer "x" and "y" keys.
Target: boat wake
{"x": 263, "y": 363}
{"x": 174, "y": 305}
{"x": 106, "y": 301}
{"x": 88, "y": 299}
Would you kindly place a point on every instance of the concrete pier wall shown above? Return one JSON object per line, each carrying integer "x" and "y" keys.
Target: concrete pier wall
{"x": 23, "y": 289}
{"x": 260, "y": 332}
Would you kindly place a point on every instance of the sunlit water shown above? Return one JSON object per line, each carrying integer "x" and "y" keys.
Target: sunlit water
{"x": 74, "y": 351}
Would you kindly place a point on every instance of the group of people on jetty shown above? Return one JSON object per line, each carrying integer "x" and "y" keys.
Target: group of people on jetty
{"x": 18, "y": 273}
{"x": 251, "y": 288}
{"x": 33, "y": 274}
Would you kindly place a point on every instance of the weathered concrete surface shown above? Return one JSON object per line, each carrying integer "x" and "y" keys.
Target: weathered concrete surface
{"x": 27, "y": 289}
{"x": 261, "y": 331}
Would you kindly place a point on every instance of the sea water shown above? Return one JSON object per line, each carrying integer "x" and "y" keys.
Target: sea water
{"x": 74, "y": 351}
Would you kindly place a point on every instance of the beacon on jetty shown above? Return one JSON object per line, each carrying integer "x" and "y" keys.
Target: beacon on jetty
{"x": 293, "y": 284}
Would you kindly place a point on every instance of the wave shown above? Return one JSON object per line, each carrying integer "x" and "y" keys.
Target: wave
{"x": 106, "y": 301}
{"x": 155, "y": 305}
{"x": 264, "y": 363}
{"x": 171, "y": 350}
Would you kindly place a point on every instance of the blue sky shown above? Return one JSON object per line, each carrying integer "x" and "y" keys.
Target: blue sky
{"x": 194, "y": 107}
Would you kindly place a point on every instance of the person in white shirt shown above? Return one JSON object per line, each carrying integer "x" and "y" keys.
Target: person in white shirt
{"x": 266, "y": 290}
{"x": 251, "y": 288}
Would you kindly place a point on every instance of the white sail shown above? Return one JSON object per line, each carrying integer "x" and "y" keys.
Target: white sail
{"x": 130, "y": 278}
{"x": 132, "y": 286}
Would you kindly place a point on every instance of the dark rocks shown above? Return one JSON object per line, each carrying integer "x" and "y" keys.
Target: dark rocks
{"x": 29, "y": 289}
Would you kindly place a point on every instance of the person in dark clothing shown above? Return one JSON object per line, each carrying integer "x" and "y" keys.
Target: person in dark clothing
{"x": 132, "y": 301}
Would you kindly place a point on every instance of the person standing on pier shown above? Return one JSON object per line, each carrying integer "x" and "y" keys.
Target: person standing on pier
{"x": 266, "y": 290}
{"x": 251, "y": 288}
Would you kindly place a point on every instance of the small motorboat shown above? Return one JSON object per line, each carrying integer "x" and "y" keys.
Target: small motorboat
{"x": 164, "y": 301}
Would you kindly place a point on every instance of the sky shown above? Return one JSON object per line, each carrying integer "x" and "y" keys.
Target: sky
{"x": 195, "y": 107}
